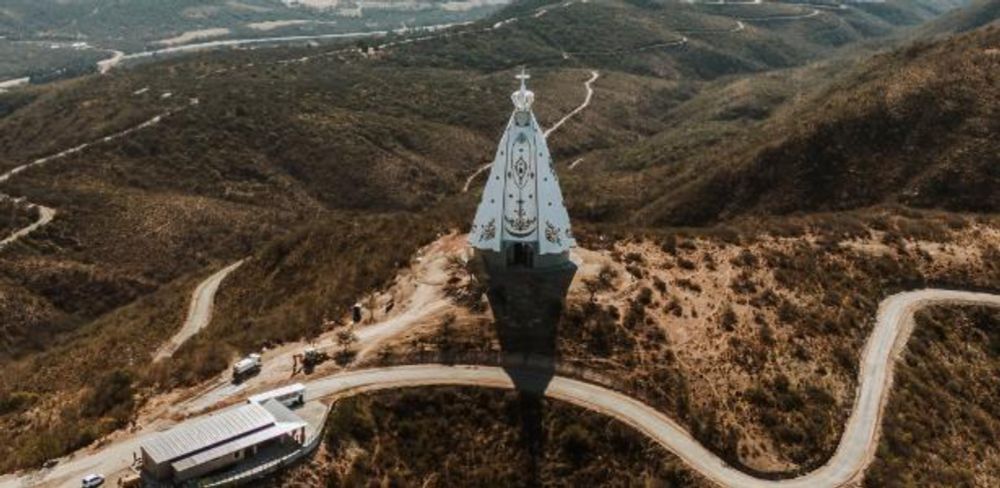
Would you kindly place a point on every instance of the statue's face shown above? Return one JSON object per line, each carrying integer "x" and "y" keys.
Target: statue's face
{"x": 522, "y": 119}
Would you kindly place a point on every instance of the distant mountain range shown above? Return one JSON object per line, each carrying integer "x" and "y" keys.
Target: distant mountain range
{"x": 911, "y": 127}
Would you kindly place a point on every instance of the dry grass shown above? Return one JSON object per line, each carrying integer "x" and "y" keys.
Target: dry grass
{"x": 943, "y": 420}
{"x": 494, "y": 438}
{"x": 754, "y": 343}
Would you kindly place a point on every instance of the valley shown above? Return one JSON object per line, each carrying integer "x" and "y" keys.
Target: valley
{"x": 764, "y": 195}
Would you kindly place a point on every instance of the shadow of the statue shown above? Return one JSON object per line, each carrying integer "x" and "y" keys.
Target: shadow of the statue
{"x": 527, "y": 305}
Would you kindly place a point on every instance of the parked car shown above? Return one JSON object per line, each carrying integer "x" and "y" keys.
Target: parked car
{"x": 92, "y": 480}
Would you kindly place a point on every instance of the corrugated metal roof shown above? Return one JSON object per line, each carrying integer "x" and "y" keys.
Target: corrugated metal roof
{"x": 206, "y": 432}
{"x": 278, "y": 392}
{"x": 281, "y": 413}
{"x": 237, "y": 444}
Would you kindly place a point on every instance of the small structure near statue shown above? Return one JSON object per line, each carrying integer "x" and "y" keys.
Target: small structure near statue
{"x": 521, "y": 221}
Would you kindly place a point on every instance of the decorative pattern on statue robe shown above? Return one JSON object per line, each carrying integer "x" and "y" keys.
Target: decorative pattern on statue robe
{"x": 522, "y": 201}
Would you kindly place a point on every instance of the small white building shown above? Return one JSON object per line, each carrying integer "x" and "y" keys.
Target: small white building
{"x": 209, "y": 444}
{"x": 289, "y": 396}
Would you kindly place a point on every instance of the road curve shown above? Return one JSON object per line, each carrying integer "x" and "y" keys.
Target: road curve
{"x": 199, "y": 312}
{"x": 472, "y": 177}
{"x": 45, "y": 215}
{"x": 855, "y": 452}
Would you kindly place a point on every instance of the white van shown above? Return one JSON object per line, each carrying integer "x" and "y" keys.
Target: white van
{"x": 246, "y": 367}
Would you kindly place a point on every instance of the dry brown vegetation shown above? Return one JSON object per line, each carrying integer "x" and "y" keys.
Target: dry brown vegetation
{"x": 290, "y": 290}
{"x": 943, "y": 418}
{"x": 329, "y": 174}
{"x": 912, "y": 126}
{"x": 756, "y": 346}
{"x": 15, "y": 216}
{"x": 439, "y": 437}
{"x": 753, "y": 341}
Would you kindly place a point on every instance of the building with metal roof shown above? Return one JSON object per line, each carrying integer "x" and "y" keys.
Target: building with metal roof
{"x": 212, "y": 443}
{"x": 288, "y": 395}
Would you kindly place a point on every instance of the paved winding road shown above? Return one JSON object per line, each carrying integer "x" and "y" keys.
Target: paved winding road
{"x": 199, "y": 311}
{"x": 855, "y": 452}
{"x": 441, "y": 30}
{"x": 106, "y": 65}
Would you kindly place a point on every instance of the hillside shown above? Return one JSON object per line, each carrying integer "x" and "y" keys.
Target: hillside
{"x": 978, "y": 14}
{"x": 943, "y": 389}
{"x": 65, "y": 38}
{"x": 329, "y": 168}
{"x": 338, "y": 133}
{"x": 496, "y": 439}
{"x": 912, "y": 127}
{"x": 51, "y": 40}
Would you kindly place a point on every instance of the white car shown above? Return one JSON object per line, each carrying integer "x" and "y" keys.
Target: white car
{"x": 92, "y": 480}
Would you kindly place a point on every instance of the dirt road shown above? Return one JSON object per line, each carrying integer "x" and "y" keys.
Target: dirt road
{"x": 854, "y": 453}
{"x": 199, "y": 311}
{"x": 46, "y": 214}
{"x": 589, "y": 85}
{"x": 417, "y": 298}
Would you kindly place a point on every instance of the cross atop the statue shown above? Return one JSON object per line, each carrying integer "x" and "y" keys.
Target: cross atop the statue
{"x": 523, "y": 98}
{"x": 523, "y": 76}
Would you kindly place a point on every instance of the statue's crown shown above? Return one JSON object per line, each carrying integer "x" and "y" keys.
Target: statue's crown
{"x": 523, "y": 98}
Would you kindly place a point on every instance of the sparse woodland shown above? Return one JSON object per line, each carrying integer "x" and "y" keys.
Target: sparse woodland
{"x": 474, "y": 437}
{"x": 943, "y": 418}
{"x": 753, "y": 197}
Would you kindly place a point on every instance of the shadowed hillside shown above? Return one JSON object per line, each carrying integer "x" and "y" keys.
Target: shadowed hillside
{"x": 328, "y": 167}
{"x": 913, "y": 127}
{"x": 943, "y": 418}
{"x": 396, "y": 437}
{"x": 980, "y": 13}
